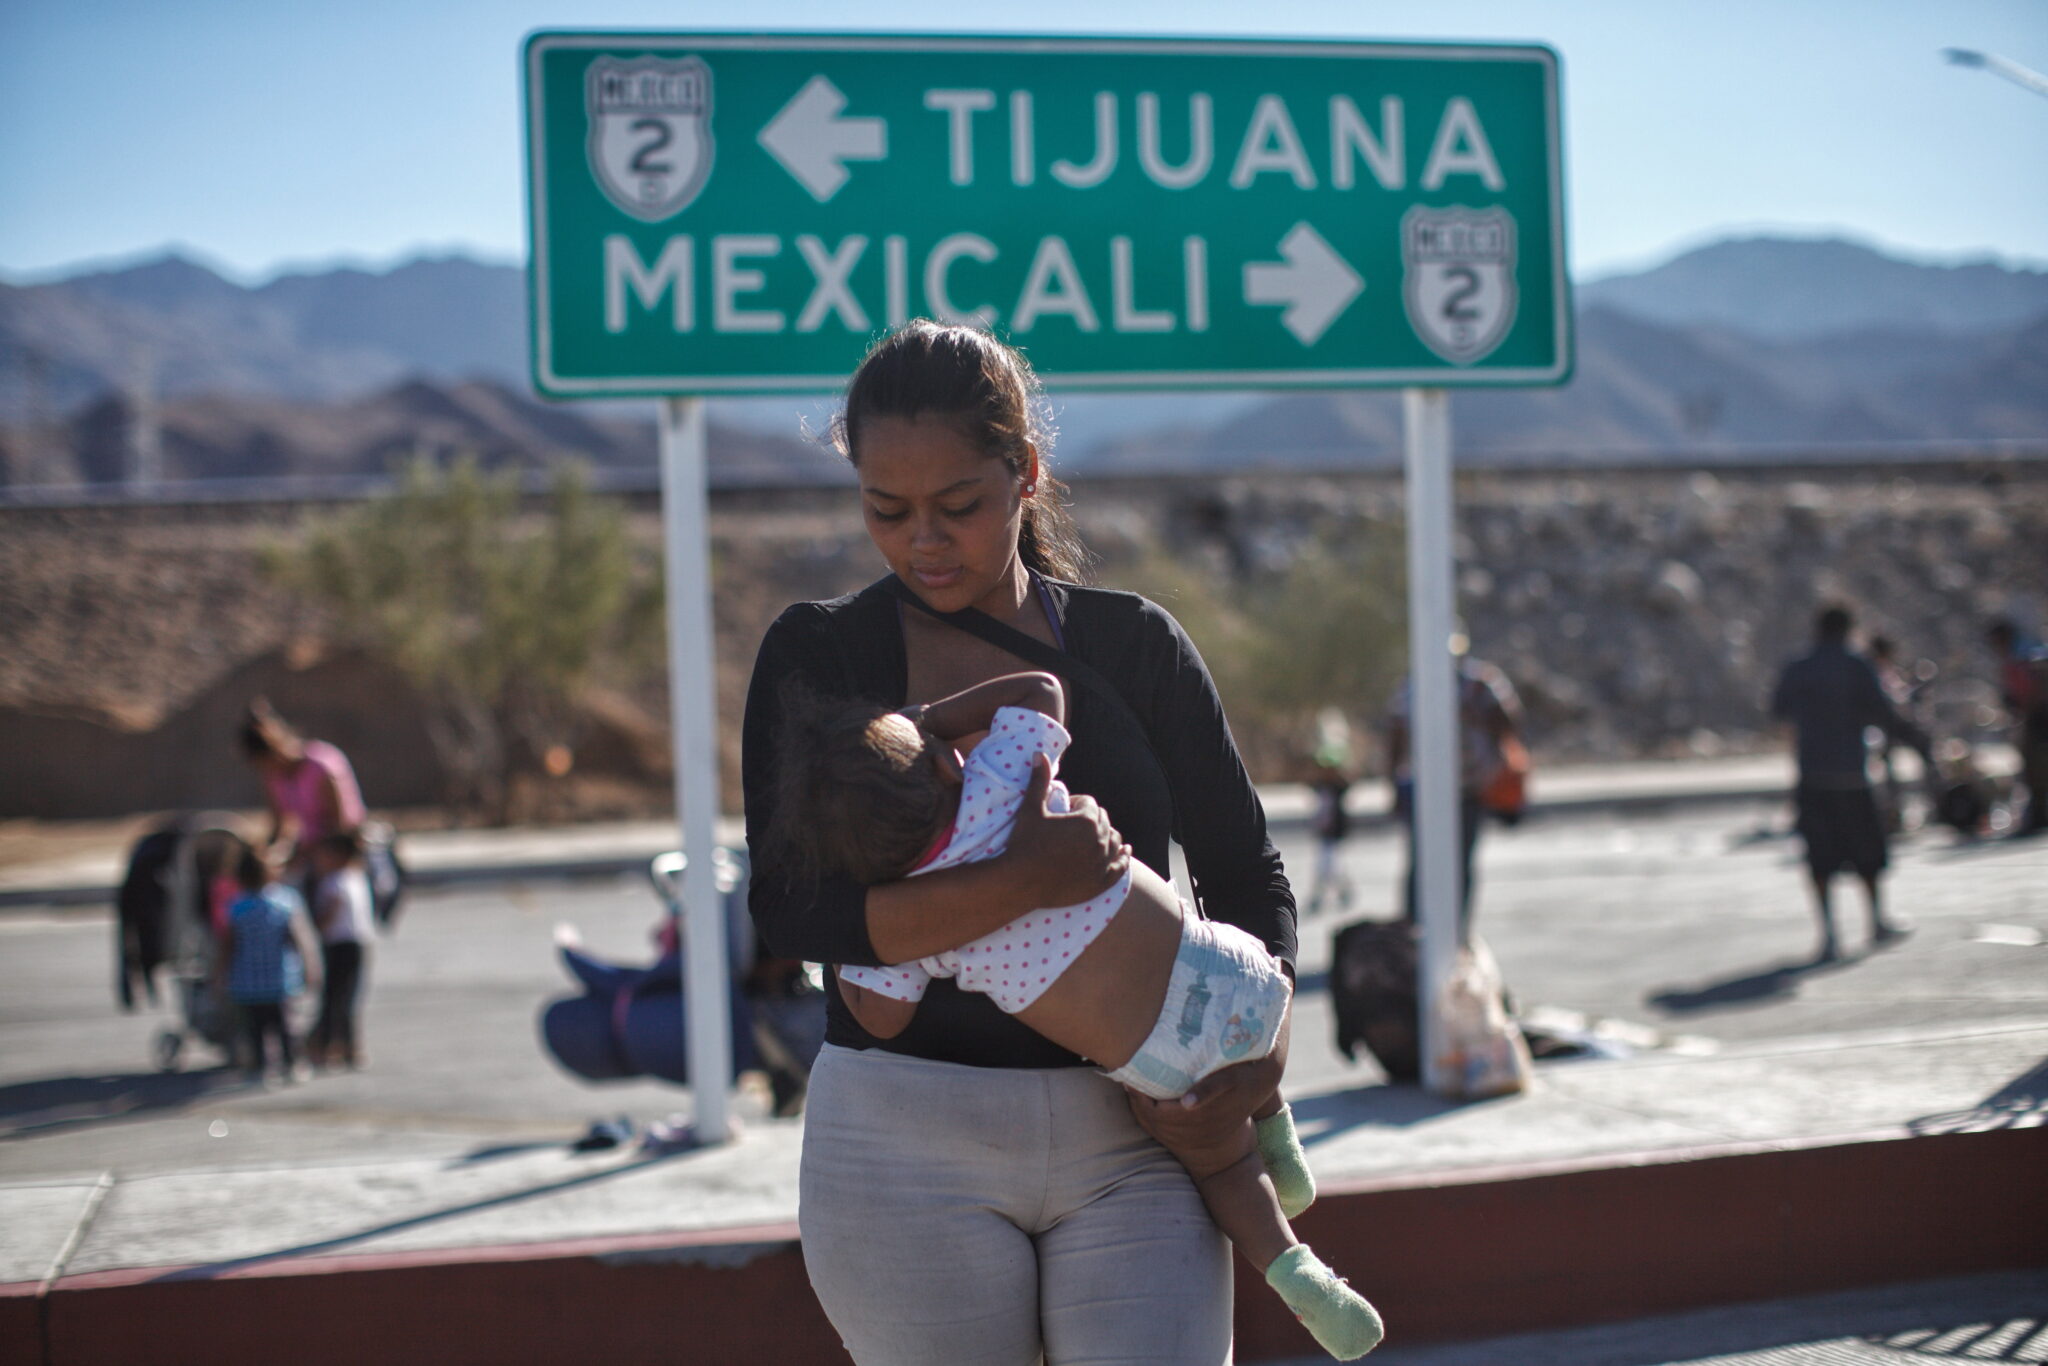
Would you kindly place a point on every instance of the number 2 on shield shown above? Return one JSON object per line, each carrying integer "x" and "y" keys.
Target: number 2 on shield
{"x": 662, "y": 137}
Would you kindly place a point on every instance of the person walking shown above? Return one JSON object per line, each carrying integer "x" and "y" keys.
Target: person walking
{"x": 1330, "y": 822}
{"x": 1829, "y": 697}
{"x": 1899, "y": 690}
{"x": 970, "y": 1190}
{"x": 1489, "y": 724}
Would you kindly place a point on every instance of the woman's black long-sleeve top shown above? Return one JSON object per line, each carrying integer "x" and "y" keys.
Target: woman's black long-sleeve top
{"x": 1196, "y": 791}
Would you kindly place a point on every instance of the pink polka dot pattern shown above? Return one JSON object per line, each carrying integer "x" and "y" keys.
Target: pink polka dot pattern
{"x": 1002, "y": 964}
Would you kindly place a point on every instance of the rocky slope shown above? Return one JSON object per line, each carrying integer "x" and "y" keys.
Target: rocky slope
{"x": 1642, "y": 613}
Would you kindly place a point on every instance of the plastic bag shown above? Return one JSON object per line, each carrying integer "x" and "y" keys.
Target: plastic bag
{"x": 1481, "y": 1051}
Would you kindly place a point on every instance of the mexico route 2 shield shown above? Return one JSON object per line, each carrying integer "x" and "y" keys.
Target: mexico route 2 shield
{"x": 1459, "y": 279}
{"x": 650, "y": 132}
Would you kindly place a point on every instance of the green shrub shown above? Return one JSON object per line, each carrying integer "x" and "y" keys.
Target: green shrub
{"x": 500, "y": 616}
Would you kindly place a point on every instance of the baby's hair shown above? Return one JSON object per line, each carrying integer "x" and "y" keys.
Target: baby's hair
{"x": 852, "y": 796}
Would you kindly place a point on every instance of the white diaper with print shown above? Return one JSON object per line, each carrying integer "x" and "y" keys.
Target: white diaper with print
{"x": 1224, "y": 1005}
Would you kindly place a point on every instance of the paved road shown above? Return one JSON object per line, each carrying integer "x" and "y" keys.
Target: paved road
{"x": 1684, "y": 925}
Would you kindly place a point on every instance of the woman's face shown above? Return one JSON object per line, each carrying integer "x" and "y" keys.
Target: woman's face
{"x": 944, "y": 515}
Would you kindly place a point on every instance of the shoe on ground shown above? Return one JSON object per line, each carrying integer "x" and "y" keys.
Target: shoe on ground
{"x": 604, "y": 1134}
{"x": 1889, "y": 932}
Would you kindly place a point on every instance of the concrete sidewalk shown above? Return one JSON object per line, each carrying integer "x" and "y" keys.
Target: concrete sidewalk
{"x": 89, "y": 874}
{"x": 1881, "y": 1122}
{"x": 1658, "y": 1183}
{"x": 1799, "y": 1095}
{"x": 2002, "y": 1316}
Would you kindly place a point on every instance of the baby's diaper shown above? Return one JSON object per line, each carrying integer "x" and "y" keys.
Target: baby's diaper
{"x": 1224, "y": 1005}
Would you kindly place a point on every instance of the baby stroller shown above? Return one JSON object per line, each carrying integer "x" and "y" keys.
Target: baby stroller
{"x": 170, "y": 908}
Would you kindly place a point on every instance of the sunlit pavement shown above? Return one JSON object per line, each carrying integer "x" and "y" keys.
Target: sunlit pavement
{"x": 1680, "y": 942}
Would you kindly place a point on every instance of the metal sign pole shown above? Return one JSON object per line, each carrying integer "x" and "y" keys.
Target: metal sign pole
{"x": 693, "y": 714}
{"x": 1433, "y": 708}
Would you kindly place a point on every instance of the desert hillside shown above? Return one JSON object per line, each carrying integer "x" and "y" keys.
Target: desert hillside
{"x": 1642, "y": 613}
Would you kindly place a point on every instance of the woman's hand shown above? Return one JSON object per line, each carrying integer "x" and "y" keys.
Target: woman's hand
{"x": 1062, "y": 860}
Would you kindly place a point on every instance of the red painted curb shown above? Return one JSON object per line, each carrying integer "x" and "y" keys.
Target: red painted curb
{"x": 1472, "y": 1260}
{"x": 1460, "y": 1256}
{"x": 21, "y": 1322}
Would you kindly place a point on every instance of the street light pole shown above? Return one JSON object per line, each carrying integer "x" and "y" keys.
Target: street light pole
{"x": 2012, "y": 71}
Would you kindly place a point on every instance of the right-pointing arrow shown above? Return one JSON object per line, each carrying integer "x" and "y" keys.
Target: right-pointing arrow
{"x": 1312, "y": 280}
{"x": 813, "y": 142}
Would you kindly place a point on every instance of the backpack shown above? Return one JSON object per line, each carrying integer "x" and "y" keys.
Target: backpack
{"x": 1372, "y": 994}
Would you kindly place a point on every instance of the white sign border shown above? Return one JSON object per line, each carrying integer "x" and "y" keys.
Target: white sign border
{"x": 547, "y": 382}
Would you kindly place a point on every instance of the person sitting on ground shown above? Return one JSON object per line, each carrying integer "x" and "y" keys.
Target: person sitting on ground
{"x": 1132, "y": 979}
{"x": 263, "y": 957}
{"x": 343, "y": 914}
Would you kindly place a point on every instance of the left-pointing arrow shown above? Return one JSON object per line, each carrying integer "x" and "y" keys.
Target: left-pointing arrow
{"x": 814, "y": 142}
{"x": 1313, "y": 281}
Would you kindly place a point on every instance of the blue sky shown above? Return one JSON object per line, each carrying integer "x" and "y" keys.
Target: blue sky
{"x": 262, "y": 136}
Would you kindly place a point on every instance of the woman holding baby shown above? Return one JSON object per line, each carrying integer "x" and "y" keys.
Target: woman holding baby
{"x": 972, "y": 1192}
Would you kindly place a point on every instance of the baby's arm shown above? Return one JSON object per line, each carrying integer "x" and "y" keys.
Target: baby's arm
{"x": 973, "y": 709}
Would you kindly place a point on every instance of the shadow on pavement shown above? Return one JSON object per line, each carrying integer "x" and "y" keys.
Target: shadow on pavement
{"x": 1324, "y": 1117}
{"x": 50, "y": 1104}
{"x": 1980, "y": 846}
{"x": 2017, "y": 1104}
{"x": 495, "y": 1151}
{"x": 1749, "y": 989}
{"x": 212, "y": 1269}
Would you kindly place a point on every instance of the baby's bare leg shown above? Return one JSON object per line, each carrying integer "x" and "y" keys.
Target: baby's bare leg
{"x": 1233, "y": 1184}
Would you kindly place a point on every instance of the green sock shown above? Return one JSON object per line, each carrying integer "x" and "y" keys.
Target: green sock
{"x": 1280, "y": 1151}
{"x": 1341, "y": 1319}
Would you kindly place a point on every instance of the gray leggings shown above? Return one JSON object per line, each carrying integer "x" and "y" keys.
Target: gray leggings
{"x": 955, "y": 1215}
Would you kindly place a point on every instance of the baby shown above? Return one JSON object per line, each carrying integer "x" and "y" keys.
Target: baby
{"x": 1132, "y": 980}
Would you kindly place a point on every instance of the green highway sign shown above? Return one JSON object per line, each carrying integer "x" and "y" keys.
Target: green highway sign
{"x": 726, "y": 214}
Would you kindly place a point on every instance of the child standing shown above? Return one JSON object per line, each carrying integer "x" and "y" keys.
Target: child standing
{"x": 342, "y": 912}
{"x": 1133, "y": 980}
{"x": 264, "y": 951}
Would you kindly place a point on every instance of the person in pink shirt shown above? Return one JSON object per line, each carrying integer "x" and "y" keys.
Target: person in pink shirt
{"x": 308, "y": 785}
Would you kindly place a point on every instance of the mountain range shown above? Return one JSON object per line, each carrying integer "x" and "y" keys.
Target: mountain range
{"x": 1740, "y": 344}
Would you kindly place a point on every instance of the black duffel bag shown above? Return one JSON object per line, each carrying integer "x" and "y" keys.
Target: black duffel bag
{"x": 1372, "y": 994}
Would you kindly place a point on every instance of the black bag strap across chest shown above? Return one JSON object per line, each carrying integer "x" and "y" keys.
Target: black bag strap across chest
{"x": 1038, "y": 654}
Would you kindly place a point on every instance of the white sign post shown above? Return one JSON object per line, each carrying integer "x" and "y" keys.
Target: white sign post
{"x": 693, "y": 712}
{"x": 1432, "y": 709}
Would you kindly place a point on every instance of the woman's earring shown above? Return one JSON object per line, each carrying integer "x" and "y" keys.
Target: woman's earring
{"x": 1030, "y": 489}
